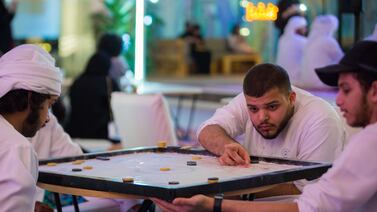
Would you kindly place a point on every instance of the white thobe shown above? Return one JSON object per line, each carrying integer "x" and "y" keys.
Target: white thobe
{"x": 321, "y": 50}
{"x": 290, "y": 48}
{"x": 18, "y": 170}
{"x": 50, "y": 142}
{"x": 351, "y": 184}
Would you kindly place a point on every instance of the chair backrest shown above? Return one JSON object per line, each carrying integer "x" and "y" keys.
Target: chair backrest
{"x": 142, "y": 120}
{"x": 169, "y": 57}
{"x": 218, "y": 47}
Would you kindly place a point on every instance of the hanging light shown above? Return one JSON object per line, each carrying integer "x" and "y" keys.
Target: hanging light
{"x": 303, "y": 7}
{"x": 148, "y": 20}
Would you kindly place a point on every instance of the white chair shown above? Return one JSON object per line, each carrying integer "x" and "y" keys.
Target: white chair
{"x": 142, "y": 120}
{"x": 93, "y": 145}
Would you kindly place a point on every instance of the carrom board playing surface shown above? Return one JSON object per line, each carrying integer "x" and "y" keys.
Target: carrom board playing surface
{"x": 170, "y": 172}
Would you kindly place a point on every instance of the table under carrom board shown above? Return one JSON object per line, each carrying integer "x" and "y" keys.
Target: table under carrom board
{"x": 167, "y": 173}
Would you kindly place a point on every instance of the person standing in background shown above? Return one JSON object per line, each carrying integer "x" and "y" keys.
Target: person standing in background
{"x": 90, "y": 100}
{"x": 6, "y": 17}
{"x": 200, "y": 54}
{"x": 188, "y": 30}
{"x": 237, "y": 43}
{"x": 291, "y": 46}
{"x": 322, "y": 49}
{"x": 287, "y": 9}
{"x": 112, "y": 45}
{"x": 373, "y": 36}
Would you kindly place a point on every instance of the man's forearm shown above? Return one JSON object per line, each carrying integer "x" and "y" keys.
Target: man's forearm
{"x": 214, "y": 138}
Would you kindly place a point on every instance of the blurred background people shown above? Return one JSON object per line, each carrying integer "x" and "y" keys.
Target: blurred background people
{"x": 237, "y": 43}
{"x": 291, "y": 46}
{"x": 373, "y": 36}
{"x": 90, "y": 100}
{"x": 322, "y": 49}
{"x": 287, "y": 9}
{"x": 112, "y": 45}
{"x": 6, "y": 17}
{"x": 200, "y": 54}
{"x": 59, "y": 110}
{"x": 188, "y": 30}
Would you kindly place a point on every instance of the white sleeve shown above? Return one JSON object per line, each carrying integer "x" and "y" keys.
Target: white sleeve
{"x": 349, "y": 184}
{"x": 61, "y": 143}
{"x": 18, "y": 179}
{"x": 322, "y": 140}
{"x": 231, "y": 117}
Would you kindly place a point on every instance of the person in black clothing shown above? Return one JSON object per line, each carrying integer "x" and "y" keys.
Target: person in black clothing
{"x": 199, "y": 52}
{"x": 6, "y": 16}
{"x": 112, "y": 44}
{"x": 188, "y": 30}
{"x": 59, "y": 110}
{"x": 90, "y": 100}
{"x": 287, "y": 9}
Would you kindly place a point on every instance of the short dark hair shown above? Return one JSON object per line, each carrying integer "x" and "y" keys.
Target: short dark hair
{"x": 365, "y": 80}
{"x": 236, "y": 29}
{"x": 111, "y": 44}
{"x": 264, "y": 77}
{"x": 17, "y": 101}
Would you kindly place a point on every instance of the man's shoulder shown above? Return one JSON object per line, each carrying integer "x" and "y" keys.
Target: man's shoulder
{"x": 14, "y": 143}
{"x": 11, "y": 138}
{"x": 368, "y": 131}
{"x": 313, "y": 107}
{"x": 307, "y": 101}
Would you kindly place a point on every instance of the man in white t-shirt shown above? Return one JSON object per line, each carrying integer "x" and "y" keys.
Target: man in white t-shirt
{"x": 29, "y": 84}
{"x": 277, "y": 121}
{"x": 350, "y": 185}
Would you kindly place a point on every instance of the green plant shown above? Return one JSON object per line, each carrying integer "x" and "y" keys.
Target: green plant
{"x": 119, "y": 19}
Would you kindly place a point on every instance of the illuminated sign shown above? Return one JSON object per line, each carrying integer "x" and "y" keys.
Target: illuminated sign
{"x": 261, "y": 12}
{"x": 39, "y": 42}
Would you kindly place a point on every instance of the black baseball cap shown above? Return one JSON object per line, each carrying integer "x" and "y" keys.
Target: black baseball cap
{"x": 362, "y": 57}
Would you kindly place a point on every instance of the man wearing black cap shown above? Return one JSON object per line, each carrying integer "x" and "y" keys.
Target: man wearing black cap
{"x": 351, "y": 184}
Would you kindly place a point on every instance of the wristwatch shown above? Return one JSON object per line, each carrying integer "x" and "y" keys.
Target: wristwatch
{"x": 218, "y": 201}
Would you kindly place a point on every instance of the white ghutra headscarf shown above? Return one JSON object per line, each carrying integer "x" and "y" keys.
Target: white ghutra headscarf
{"x": 31, "y": 68}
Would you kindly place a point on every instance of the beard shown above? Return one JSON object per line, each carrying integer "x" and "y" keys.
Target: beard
{"x": 362, "y": 116}
{"x": 31, "y": 124}
{"x": 279, "y": 127}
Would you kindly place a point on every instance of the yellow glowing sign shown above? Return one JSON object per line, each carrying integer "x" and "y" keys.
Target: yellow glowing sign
{"x": 39, "y": 42}
{"x": 261, "y": 12}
